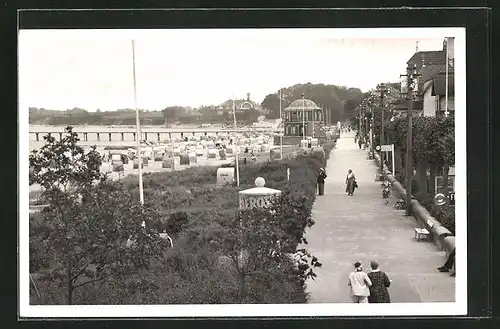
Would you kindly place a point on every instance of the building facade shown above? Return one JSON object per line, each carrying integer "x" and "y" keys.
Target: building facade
{"x": 432, "y": 79}
{"x": 436, "y": 72}
{"x": 239, "y": 104}
{"x": 303, "y": 117}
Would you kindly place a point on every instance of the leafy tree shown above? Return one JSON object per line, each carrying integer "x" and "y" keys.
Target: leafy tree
{"x": 88, "y": 219}
{"x": 272, "y": 103}
{"x": 433, "y": 141}
{"x": 171, "y": 113}
{"x": 262, "y": 243}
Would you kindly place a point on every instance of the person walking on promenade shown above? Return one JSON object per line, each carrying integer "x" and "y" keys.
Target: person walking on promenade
{"x": 380, "y": 283}
{"x": 360, "y": 284}
{"x": 360, "y": 143}
{"x": 350, "y": 180}
{"x": 321, "y": 181}
{"x": 448, "y": 265}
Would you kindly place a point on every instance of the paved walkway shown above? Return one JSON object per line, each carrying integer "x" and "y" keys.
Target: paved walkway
{"x": 361, "y": 228}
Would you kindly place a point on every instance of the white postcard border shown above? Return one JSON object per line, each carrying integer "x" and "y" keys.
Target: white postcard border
{"x": 459, "y": 307}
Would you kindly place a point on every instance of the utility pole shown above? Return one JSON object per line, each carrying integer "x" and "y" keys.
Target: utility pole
{"x": 446, "y": 83}
{"x": 372, "y": 126}
{"x": 382, "y": 88}
{"x": 411, "y": 75}
{"x": 281, "y": 134}
{"x": 361, "y": 122}
{"x": 237, "y": 149}
{"x": 313, "y": 121}
{"x": 303, "y": 118}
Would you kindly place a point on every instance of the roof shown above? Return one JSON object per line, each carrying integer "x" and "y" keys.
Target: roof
{"x": 238, "y": 104}
{"x": 451, "y": 69}
{"x": 428, "y": 71}
{"x": 302, "y": 104}
{"x": 427, "y": 85}
{"x": 439, "y": 85}
{"x": 428, "y": 58}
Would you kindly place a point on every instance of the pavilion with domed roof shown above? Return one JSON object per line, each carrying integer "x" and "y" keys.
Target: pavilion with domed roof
{"x": 293, "y": 121}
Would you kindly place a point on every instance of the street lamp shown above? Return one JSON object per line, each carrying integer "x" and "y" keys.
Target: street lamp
{"x": 411, "y": 76}
{"x": 382, "y": 89}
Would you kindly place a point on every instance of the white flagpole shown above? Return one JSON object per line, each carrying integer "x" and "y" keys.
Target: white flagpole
{"x": 138, "y": 126}
{"x": 236, "y": 147}
{"x": 281, "y": 134}
{"x": 446, "y": 84}
{"x": 303, "y": 118}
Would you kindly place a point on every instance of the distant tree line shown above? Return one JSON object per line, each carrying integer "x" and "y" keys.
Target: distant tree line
{"x": 340, "y": 101}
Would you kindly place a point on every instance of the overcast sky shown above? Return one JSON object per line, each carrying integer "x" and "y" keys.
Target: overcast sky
{"x": 92, "y": 69}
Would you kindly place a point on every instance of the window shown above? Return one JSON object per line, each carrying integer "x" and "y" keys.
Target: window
{"x": 294, "y": 130}
{"x": 439, "y": 184}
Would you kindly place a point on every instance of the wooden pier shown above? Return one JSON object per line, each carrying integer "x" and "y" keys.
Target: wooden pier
{"x": 156, "y": 135}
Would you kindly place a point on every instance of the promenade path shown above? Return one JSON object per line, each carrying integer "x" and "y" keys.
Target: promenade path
{"x": 362, "y": 228}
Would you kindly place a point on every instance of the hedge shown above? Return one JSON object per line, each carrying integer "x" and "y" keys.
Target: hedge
{"x": 196, "y": 214}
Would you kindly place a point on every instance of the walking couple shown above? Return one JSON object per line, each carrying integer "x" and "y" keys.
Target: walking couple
{"x": 371, "y": 287}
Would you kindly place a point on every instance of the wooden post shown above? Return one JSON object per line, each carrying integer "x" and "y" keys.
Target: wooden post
{"x": 98, "y": 137}
{"x": 158, "y": 135}
{"x": 110, "y": 137}
{"x": 122, "y": 137}
{"x": 60, "y": 136}
{"x": 145, "y": 136}
{"x": 37, "y": 137}
{"x": 85, "y": 136}
{"x": 134, "y": 136}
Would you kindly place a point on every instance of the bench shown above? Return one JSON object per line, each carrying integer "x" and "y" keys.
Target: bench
{"x": 400, "y": 204}
{"x": 421, "y": 233}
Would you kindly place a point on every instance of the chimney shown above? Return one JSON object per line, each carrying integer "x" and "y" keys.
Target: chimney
{"x": 451, "y": 48}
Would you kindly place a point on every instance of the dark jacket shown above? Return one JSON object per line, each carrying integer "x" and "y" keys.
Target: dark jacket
{"x": 321, "y": 177}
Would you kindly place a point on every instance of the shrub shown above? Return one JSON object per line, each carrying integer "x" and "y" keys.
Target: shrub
{"x": 446, "y": 216}
{"x": 176, "y": 222}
